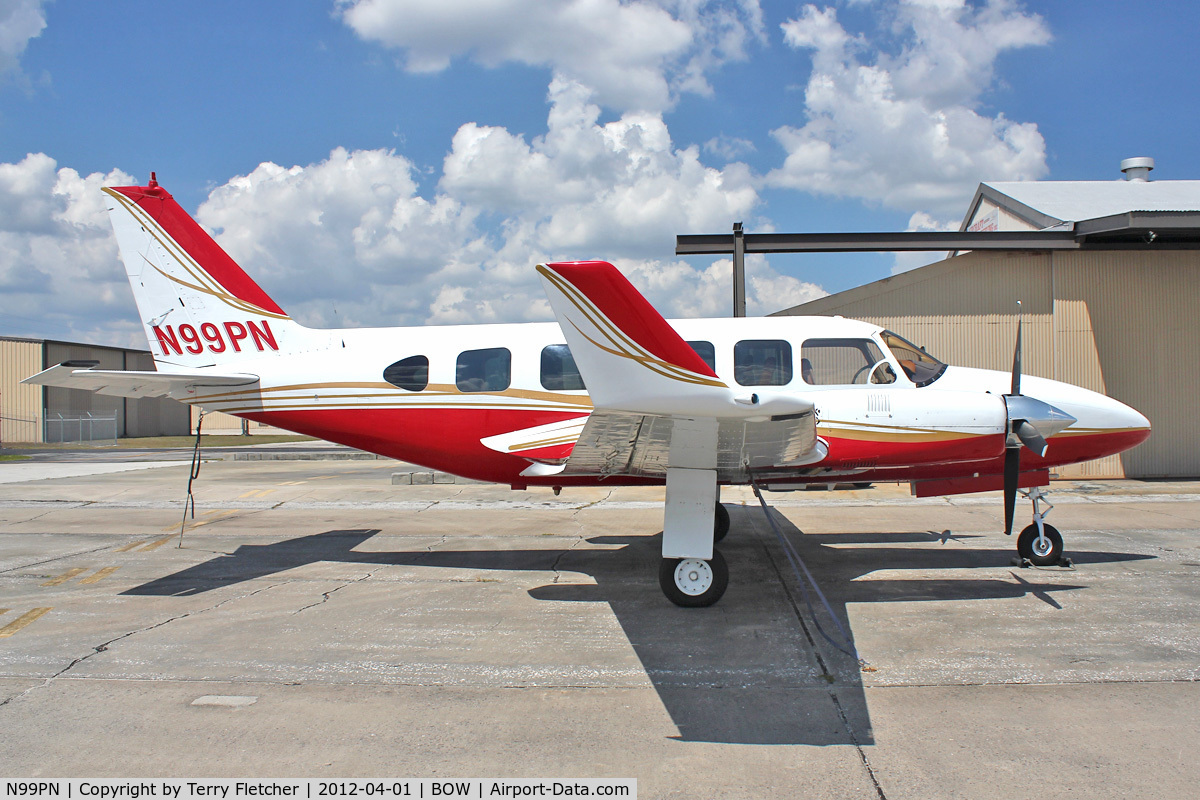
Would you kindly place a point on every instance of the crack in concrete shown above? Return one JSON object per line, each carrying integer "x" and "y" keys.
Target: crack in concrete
{"x": 325, "y": 595}
{"x": 604, "y": 499}
{"x": 579, "y": 536}
{"x": 443, "y": 500}
{"x": 57, "y": 558}
{"x": 103, "y": 647}
{"x": 562, "y": 555}
{"x": 82, "y": 504}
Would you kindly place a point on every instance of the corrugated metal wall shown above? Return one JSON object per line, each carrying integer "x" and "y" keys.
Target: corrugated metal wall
{"x": 1118, "y": 322}
{"x": 153, "y": 416}
{"x": 1146, "y": 341}
{"x": 20, "y": 406}
{"x": 218, "y": 422}
{"x": 75, "y": 402}
{"x": 24, "y": 408}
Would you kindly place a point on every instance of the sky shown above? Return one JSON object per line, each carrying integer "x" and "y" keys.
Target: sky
{"x": 408, "y": 162}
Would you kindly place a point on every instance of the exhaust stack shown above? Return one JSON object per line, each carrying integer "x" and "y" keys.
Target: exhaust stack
{"x": 1137, "y": 169}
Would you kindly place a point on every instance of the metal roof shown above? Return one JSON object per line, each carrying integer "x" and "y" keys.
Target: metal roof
{"x": 1072, "y": 201}
{"x": 1101, "y": 213}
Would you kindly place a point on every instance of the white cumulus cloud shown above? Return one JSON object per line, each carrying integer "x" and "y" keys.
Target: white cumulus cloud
{"x": 898, "y": 121}
{"x": 60, "y": 275}
{"x": 636, "y": 55}
{"x": 354, "y": 233}
{"x": 20, "y": 21}
{"x": 320, "y": 237}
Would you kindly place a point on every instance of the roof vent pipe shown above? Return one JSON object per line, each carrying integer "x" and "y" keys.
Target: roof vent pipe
{"x": 1137, "y": 169}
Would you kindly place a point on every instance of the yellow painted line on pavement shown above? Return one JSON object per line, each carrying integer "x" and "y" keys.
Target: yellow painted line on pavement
{"x": 291, "y": 483}
{"x": 100, "y": 575}
{"x": 127, "y": 547}
{"x": 222, "y": 515}
{"x": 66, "y": 576}
{"x": 22, "y": 621}
{"x": 157, "y": 543}
{"x": 4, "y": 610}
{"x": 198, "y": 524}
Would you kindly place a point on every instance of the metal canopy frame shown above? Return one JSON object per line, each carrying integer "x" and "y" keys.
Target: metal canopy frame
{"x": 1130, "y": 231}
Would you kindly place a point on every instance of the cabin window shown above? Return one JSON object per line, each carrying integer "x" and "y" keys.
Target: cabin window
{"x": 920, "y": 367}
{"x": 762, "y": 362}
{"x": 707, "y": 353}
{"x": 487, "y": 370}
{"x": 410, "y": 373}
{"x": 842, "y": 362}
{"x": 559, "y": 372}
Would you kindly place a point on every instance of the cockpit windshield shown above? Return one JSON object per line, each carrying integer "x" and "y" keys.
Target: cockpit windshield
{"x": 920, "y": 367}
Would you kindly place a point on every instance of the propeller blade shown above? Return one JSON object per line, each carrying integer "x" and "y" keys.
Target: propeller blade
{"x": 1012, "y": 472}
{"x": 1016, "y": 371}
{"x": 1030, "y": 437}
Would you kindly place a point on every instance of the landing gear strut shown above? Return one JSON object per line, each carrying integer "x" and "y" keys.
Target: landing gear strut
{"x": 1040, "y": 543}
{"x": 692, "y": 572}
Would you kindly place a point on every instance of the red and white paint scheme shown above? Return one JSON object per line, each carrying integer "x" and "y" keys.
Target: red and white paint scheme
{"x": 693, "y": 404}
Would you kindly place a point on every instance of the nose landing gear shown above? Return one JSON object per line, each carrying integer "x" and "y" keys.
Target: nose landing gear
{"x": 1040, "y": 544}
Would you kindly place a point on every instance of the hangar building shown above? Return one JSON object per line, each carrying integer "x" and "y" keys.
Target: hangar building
{"x": 1118, "y": 316}
{"x": 37, "y": 414}
{"x": 34, "y": 414}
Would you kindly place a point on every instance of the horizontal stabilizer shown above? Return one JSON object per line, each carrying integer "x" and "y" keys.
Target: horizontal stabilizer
{"x": 132, "y": 383}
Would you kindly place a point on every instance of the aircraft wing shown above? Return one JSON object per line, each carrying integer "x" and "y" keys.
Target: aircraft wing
{"x": 657, "y": 404}
{"x": 614, "y": 443}
{"x": 132, "y": 383}
{"x": 619, "y": 443}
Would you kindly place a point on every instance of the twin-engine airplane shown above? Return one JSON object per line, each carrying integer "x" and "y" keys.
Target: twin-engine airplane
{"x": 613, "y": 394}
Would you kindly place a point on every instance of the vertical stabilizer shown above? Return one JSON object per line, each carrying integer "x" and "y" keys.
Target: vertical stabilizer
{"x": 197, "y": 305}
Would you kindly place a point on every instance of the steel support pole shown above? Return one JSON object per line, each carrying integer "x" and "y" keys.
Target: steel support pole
{"x": 739, "y": 271}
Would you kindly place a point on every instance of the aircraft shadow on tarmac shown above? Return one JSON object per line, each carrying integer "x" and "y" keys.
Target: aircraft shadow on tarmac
{"x": 751, "y": 669}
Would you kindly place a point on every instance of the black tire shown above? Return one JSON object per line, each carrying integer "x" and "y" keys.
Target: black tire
{"x": 720, "y": 523}
{"x": 714, "y": 569}
{"x": 1027, "y": 549}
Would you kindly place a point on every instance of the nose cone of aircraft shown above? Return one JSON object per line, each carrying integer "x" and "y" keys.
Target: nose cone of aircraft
{"x": 1103, "y": 426}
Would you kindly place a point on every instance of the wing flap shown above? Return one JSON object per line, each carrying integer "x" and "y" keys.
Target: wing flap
{"x": 134, "y": 383}
{"x": 616, "y": 443}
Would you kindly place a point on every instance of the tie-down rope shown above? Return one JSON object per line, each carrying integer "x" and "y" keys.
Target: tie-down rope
{"x": 803, "y": 575}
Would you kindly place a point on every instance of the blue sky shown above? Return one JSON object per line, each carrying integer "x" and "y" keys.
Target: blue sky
{"x": 382, "y": 162}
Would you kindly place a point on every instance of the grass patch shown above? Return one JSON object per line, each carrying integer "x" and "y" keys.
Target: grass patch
{"x": 15, "y": 458}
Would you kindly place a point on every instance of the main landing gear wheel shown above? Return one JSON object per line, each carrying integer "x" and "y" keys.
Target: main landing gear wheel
{"x": 693, "y": 583}
{"x": 720, "y": 523}
{"x": 1041, "y": 552}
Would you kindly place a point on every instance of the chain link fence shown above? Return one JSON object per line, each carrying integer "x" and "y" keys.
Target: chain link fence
{"x": 86, "y": 427}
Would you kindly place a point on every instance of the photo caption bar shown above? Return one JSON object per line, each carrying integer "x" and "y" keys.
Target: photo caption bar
{"x": 312, "y": 789}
